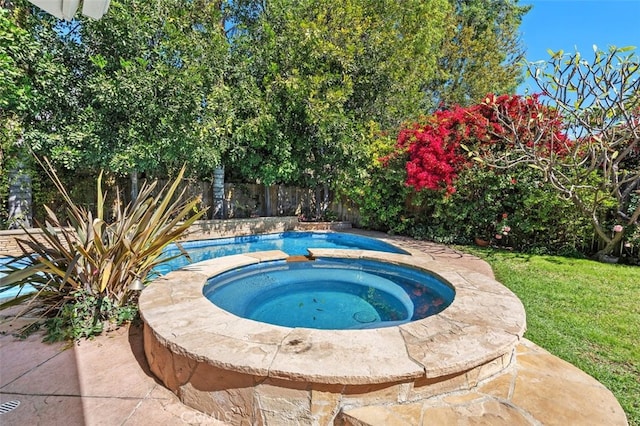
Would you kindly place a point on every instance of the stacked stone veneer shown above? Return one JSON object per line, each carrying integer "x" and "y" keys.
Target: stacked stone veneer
{"x": 9, "y": 241}
{"x": 246, "y": 372}
{"x": 201, "y": 230}
{"x": 207, "y": 229}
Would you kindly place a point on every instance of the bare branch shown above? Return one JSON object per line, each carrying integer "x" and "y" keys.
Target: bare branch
{"x": 599, "y": 161}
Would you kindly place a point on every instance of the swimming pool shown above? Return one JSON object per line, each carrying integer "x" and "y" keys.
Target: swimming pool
{"x": 13, "y": 291}
{"x": 294, "y": 243}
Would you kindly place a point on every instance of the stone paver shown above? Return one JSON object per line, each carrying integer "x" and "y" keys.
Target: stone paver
{"x": 540, "y": 389}
{"x": 435, "y": 251}
{"x": 105, "y": 381}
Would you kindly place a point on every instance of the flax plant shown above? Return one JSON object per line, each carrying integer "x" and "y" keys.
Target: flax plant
{"x": 90, "y": 260}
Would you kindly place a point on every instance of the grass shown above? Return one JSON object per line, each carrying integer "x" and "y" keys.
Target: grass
{"x": 585, "y": 312}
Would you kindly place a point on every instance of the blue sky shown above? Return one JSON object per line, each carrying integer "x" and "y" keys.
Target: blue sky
{"x": 567, "y": 24}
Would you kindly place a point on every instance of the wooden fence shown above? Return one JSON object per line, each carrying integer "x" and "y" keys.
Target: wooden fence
{"x": 241, "y": 200}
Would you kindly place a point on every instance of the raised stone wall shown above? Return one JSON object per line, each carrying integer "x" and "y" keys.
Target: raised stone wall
{"x": 9, "y": 241}
{"x": 248, "y": 372}
{"x": 243, "y": 398}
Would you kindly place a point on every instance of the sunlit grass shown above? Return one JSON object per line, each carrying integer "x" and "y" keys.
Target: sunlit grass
{"x": 585, "y": 312}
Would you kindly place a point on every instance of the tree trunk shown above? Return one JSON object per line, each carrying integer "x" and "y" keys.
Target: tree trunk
{"x": 134, "y": 185}
{"x": 603, "y": 254}
{"x": 322, "y": 200}
{"x": 218, "y": 193}
{"x": 19, "y": 199}
{"x": 267, "y": 201}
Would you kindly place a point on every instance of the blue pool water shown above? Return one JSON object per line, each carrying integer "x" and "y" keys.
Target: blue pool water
{"x": 291, "y": 242}
{"x": 12, "y": 292}
{"x": 333, "y": 294}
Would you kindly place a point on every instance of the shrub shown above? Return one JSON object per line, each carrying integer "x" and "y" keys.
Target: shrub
{"x": 455, "y": 196}
{"x": 440, "y": 147}
{"x": 86, "y": 316}
{"x": 378, "y": 188}
{"x": 486, "y": 203}
{"x": 82, "y": 268}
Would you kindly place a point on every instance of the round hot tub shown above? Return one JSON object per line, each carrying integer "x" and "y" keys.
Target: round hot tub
{"x": 248, "y": 371}
{"x": 330, "y": 294}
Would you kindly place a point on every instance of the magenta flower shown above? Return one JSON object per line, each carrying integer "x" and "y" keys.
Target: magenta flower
{"x": 617, "y": 228}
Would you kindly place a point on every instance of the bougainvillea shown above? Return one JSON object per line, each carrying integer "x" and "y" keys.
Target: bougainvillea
{"x": 434, "y": 151}
{"x": 521, "y": 118}
{"x": 440, "y": 147}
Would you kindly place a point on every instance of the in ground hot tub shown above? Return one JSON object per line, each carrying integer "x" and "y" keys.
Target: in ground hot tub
{"x": 245, "y": 371}
{"x": 330, "y": 294}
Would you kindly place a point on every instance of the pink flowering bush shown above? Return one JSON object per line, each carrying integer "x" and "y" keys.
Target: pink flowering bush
{"x": 432, "y": 186}
{"x": 439, "y": 148}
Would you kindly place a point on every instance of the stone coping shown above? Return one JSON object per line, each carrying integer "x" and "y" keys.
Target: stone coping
{"x": 484, "y": 322}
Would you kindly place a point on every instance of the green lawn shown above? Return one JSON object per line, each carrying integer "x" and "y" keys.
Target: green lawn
{"x": 585, "y": 312}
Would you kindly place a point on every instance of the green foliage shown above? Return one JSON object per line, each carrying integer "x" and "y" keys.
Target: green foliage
{"x": 15, "y": 46}
{"x": 319, "y": 72}
{"x": 546, "y": 223}
{"x": 86, "y": 316}
{"x": 90, "y": 258}
{"x": 278, "y": 92}
{"x": 484, "y": 203}
{"x": 474, "y": 210}
{"x": 18, "y": 50}
{"x": 378, "y": 187}
{"x": 151, "y": 96}
{"x": 481, "y": 51}
{"x": 381, "y": 200}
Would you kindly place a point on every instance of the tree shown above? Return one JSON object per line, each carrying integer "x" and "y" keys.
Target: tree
{"x": 17, "y": 48}
{"x": 481, "y": 53}
{"x": 281, "y": 91}
{"x": 18, "y": 54}
{"x": 474, "y": 49}
{"x": 135, "y": 89}
{"x": 597, "y": 166}
{"x": 320, "y": 72}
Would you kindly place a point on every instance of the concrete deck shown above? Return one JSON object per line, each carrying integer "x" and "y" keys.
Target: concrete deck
{"x": 106, "y": 381}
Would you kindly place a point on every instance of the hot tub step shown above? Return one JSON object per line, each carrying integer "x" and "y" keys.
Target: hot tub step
{"x": 541, "y": 389}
